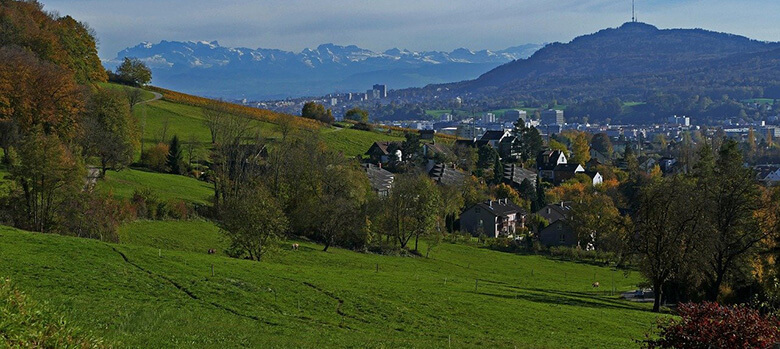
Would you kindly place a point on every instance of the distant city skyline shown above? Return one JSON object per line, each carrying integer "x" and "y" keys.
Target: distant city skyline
{"x": 407, "y": 24}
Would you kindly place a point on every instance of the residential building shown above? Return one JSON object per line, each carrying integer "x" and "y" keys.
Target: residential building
{"x": 516, "y": 114}
{"x": 558, "y": 234}
{"x": 514, "y": 175}
{"x": 382, "y": 90}
{"x": 552, "y": 117}
{"x": 768, "y": 174}
{"x": 555, "y": 212}
{"x": 681, "y": 120}
{"x": 381, "y": 152}
{"x": 489, "y": 118}
{"x": 427, "y": 134}
{"x": 493, "y": 218}
{"x": 595, "y": 177}
{"x": 381, "y": 180}
{"x": 447, "y": 175}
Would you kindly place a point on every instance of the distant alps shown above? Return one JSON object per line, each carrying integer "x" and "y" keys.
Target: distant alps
{"x": 209, "y": 69}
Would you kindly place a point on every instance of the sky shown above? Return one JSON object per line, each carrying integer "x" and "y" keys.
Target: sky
{"x": 411, "y": 24}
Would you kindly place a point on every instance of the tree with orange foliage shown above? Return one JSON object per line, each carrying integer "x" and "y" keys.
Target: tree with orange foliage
{"x": 35, "y": 93}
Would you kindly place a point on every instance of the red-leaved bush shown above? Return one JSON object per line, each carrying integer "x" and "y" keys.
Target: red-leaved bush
{"x": 709, "y": 325}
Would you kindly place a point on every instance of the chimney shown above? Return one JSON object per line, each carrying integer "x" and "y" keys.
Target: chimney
{"x": 561, "y": 204}
{"x": 379, "y": 164}
{"x": 490, "y": 203}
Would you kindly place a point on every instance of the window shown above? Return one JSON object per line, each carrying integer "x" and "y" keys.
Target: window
{"x": 477, "y": 210}
{"x": 562, "y": 238}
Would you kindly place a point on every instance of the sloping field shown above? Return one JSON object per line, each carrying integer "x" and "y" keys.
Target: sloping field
{"x": 139, "y": 296}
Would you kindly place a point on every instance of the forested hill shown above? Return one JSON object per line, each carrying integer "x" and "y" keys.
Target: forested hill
{"x": 632, "y": 61}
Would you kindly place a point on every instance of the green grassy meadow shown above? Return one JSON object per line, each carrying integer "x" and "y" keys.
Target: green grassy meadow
{"x": 134, "y": 295}
{"x": 122, "y": 184}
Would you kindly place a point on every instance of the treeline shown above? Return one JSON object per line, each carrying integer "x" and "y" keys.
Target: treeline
{"x": 707, "y": 233}
{"x": 298, "y": 187}
{"x": 54, "y": 121}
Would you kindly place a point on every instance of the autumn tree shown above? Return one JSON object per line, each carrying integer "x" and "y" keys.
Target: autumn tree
{"x": 598, "y": 223}
{"x": 580, "y": 149}
{"x": 36, "y": 93}
{"x": 110, "y": 131}
{"x": 62, "y": 41}
{"x": 47, "y": 174}
{"x": 134, "y": 72}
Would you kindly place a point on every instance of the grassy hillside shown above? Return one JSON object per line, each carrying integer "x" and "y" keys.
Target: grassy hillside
{"x": 166, "y": 186}
{"x": 193, "y": 236}
{"x": 183, "y": 115}
{"x": 131, "y": 296}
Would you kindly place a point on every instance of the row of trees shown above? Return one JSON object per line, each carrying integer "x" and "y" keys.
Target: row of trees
{"x": 700, "y": 235}
{"x": 54, "y": 122}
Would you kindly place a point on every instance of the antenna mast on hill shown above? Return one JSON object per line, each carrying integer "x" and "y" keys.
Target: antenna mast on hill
{"x": 633, "y": 12}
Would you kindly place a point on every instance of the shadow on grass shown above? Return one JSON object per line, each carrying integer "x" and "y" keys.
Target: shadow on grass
{"x": 579, "y": 299}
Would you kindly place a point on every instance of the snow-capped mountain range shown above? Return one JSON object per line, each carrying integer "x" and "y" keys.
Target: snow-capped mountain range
{"x": 208, "y": 69}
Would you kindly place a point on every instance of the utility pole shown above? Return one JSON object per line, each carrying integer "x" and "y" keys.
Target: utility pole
{"x": 633, "y": 11}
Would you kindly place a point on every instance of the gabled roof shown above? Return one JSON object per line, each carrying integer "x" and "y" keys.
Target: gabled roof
{"x": 516, "y": 174}
{"x": 592, "y": 174}
{"x": 500, "y": 208}
{"x": 568, "y": 168}
{"x": 548, "y": 157}
{"x": 445, "y": 175}
{"x": 380, "y": 179}
{"x": 437, "y": 148}
{"x": 763, "y": 171}
{"x": 493, "y": 135}
{"x": 382, "y": 146}
{"x": 563, "y": 208}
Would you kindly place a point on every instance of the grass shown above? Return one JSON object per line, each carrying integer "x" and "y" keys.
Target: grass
{"x": 145, "y": 95}
{"x": 166, "y": 186}
{"x": 192, "y": 236}
{"x": 768, "y": 101}
{"x": 353, "y": 142}
{"x": 26, "y": 323}
{"x": 133, "y": 297}
{"x": 187, "y": 122}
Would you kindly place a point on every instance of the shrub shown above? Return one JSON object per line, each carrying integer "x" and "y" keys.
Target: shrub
{"x": 91, "y": 215}
{"x": 709, "y": 325}
{"x": 156, "y": 157}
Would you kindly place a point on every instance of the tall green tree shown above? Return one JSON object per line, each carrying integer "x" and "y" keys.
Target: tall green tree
{"x": 356, "y": 114}
{"x": 312, "y": 110}
{"x": 668, "y": 234}
{"x": 175, "y": 159}
{"x": 134, "y": 72}
{"x": 110, "y": 132}
{"x": 412, "y": 209}
{"x": 731, "y": 198}
{"x": 252, "y": 221}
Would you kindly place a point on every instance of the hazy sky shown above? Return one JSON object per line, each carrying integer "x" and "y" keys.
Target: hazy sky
{"x": 412, "y": 24}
